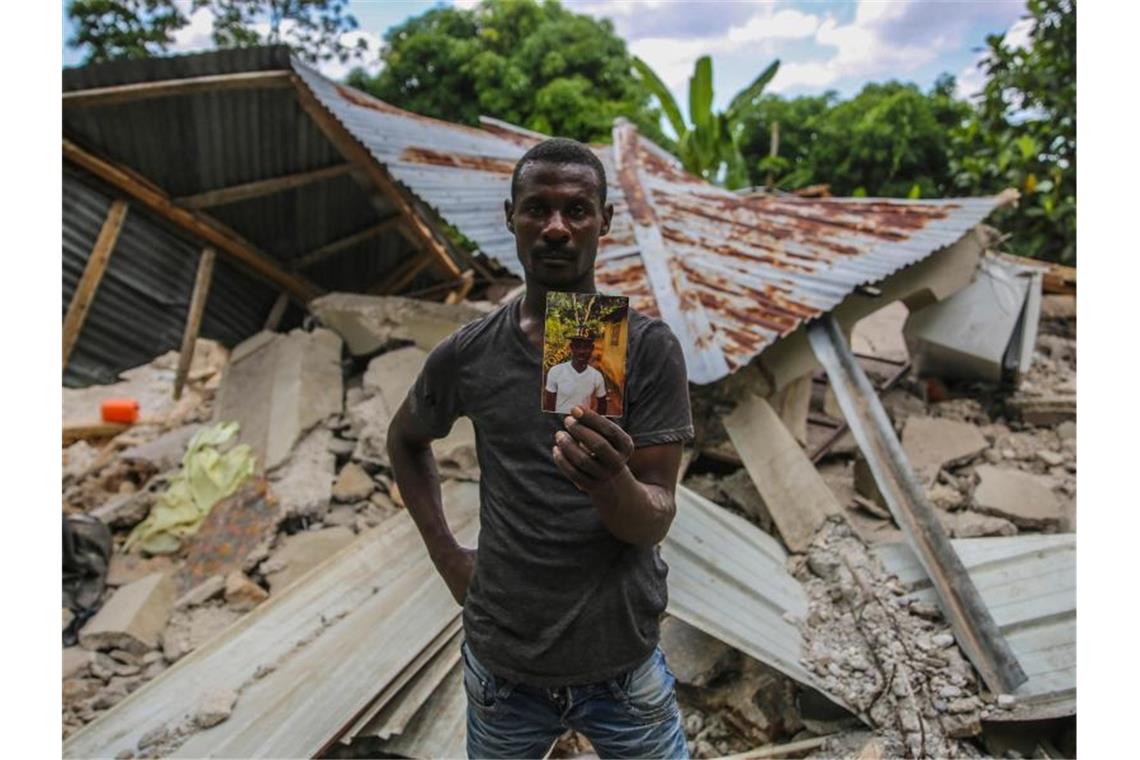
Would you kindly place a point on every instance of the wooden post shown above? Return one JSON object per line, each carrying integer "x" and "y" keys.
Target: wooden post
{"x": 277, "y": 312}
{"x": 92, "y": 275}
{"x": 194, "y": 319}
{"x": 402, "y": 275}
{"x": 467, "y": 281}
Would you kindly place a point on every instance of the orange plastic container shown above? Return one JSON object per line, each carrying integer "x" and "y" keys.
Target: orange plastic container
{"x": 124, "y": 410}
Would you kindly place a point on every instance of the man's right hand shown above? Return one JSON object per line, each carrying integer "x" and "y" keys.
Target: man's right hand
{"x": 457, "y": 567}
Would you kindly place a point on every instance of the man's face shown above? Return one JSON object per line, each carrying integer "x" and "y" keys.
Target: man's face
{"x": 557, "y": 218}
{"x": 581, "y": 350}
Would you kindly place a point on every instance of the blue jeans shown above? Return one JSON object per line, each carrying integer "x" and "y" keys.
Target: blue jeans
{"x": 633, "y": 715}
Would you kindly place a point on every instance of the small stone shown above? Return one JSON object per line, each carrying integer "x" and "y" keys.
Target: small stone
{"x": 76, "y": 689}
{"x": 950, "y": 692}
{"x": 352, "y": 484}
{"x": 125, "y": 755}
{"x": 68, "y": 617}
{"x": 76, "y": 661}
{"x": 1006, "y": 701}
{"x": 1008, "y": 454}
{"x": 1067, "y": 430}
{"x": 109, "y": 696}
{"x": 823, "y": 564}
{"x": 202, "y": 593}
{"x": 835, "y": 670}
{"x": 215, "y": 707}
{"x": 942, "y": 640}
{"x": 969, "y": 704}
{"x": 341, "y": 448}
{"x": 344, "y": 516}
{"x": 1051, "y": 458}
{"x": 243, "y": 594}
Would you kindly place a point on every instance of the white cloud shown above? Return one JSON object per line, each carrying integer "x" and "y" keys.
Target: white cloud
{"x": 197, "y": 35}
{"x": 972, "y": 79}
{"x": 370, "y": 61}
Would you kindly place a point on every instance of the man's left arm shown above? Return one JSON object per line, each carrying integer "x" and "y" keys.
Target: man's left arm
{"x": 632, "y": 489}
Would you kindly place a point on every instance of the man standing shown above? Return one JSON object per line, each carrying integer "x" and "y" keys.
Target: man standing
{"x": 575, "y": 383}
{"x": 562, "y": 599}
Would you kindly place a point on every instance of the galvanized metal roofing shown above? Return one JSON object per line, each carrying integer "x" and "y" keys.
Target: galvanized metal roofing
{"x": 1029, "y": 584}
{"x": 729, "y": 273}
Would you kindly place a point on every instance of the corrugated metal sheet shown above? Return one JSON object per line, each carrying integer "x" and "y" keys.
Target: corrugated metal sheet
{"x": 742, "y": 271}
{"x": 1029, "y": 584}
{"x": 139, "y": 310}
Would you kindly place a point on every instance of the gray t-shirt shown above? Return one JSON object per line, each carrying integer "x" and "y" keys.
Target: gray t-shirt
{"x": 556, "y": 600}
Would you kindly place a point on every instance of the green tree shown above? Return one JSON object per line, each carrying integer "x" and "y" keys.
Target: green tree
{"x": 709, "y": 144}
{"x": 109, "y": 30}
{"x": 1024, "y": 133}
{"x": 533, "y": 64}
{"x": 798, "y": 118}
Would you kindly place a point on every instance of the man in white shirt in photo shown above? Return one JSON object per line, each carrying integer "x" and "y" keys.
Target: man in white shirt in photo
{"x": 576, "y": 383}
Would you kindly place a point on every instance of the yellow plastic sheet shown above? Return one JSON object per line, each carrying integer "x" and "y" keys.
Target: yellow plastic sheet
{"x": 206, "y": 477}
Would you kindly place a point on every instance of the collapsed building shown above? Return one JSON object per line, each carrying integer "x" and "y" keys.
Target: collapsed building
{"x": 240, "y": 200}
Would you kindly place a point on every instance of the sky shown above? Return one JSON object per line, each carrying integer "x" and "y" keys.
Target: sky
{"x": 822, "y": 46}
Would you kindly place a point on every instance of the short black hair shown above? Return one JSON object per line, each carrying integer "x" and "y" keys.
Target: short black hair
{"x": 560, "y": 150}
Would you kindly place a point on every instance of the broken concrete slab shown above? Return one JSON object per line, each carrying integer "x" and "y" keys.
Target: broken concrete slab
{"x": 128, "y": 509}
{"x": 165, "y": 452}
{"x": 216, "y": 706}
{"x": 302, "y": 552}
{"x": 133, "y": 618}
{"x": 1045, "y": 411}
{"x": 695, "y": 657}
{"x": 880, "y": 333}
{"x": 233, "y": 530}
{"x": 242, "y": 594}
{"x": 932, "y": 443}
{"x": 303, "y": 485}
{"x": 277, "y": 387}
{"x": 128, "y": 568}
{"x": 368, "y": 323}
{"x": 793, "y": 491}
{"x": 76, "y": 661}
{"x": 352, "y": 484}
{"x": 1026, "y": 500}
{"x": 969, "y": 524}
{"x": 202, "y": 593}
{"x": 190, "y": 629}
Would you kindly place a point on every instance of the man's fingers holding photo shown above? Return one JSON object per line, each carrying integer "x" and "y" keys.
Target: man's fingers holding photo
{"x": 591, "y": 466}
{"x": 596, "y": 446}
{"x": 617, "y": 438}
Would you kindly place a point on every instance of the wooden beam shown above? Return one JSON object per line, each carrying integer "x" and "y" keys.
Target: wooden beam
{"x": 403, "y": 275}
{"x": 344, "y": 243}
{"x": 354, "y": 151}
{"x": 277, "y": 312}
{"x": 262, "y": 187}
{"x": 466, "y": 282}
{"x": 194, "y": 319}
{"x": 194, "y": 222}
{"x": 125, "y": 93}
{"x": 92, "y": 275}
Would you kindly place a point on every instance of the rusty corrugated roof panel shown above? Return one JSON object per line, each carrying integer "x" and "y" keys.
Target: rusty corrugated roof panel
{"x": 732, "y": 273}
{"x": 1029, "y": 583}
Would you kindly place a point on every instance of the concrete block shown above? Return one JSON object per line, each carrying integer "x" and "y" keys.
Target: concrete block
{"x": 1024, "y": 499}
{"x": 368, "y": 323}
{"x": 353, "y": 484}
{"x": 242, "y": 593}
{"x": 303, "y": 485}
{"x": 694, "y": 657}
{"x": 165, "y": 452}
{"x": 133, "y": 618}
{"x": 302, "y": 552}
{"x": 933, "y": 443}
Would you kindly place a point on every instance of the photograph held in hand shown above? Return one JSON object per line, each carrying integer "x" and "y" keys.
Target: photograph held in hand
{"x": 584, "y": 353}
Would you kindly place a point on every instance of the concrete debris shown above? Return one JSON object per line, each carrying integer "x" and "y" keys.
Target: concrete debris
{"x": 967, "y": 524}
{"x": 866, "y": 646}
{"x": 190, "y": 629}
{"x": 216, "y": 706}
{"x": 205, "y": 591}
{"x": 303, "y": 485}
{"x": 126, "y": 510}
{"x": 235, "y": 528}
{"x": 128, "y": 568}
{"x": 133, "y": 618}
{"x": 241, "y": 593}
{"x": 302, "y": 552}
{"x": 352, "y": 484}
{"x": 1046, "y": 410}
{"x": 369, "y": 323}
{"x": 277, "y": 387}
{"x": 77, "y": 458}
{"x": 695, "y": 658}
{"x": 931, "y": 443}
{"x": 1026, "y": 500}
{"x": 164, "y": 452}
{"x": 76, "y": 661}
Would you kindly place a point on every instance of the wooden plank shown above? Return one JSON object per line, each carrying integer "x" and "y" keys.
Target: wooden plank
{"x": 125, "y": 93}
{"x": 467, "y": 281}
{"x": 92, "y": 275}
{"x": 974, "y": 627}
{"x": 402, "y": 275}
{"x": 262, "y": 187}
{"x": 194, "y": 222}
{"x": 782, "y": 750}
{"x": 90, "y": 430}
{"x": 194, "y": 319}
{"x": 304, "y": 659}
{"x": 351, "y": 148}
{"x": 793, "y": 491}
{"x": 277, "y": 311}
{"x": 344, "y": 243}
{"x": 791, "y": 404}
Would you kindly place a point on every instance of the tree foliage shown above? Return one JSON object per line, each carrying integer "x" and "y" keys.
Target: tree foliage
{"x": 533, "y": 64}
{"x": 1024, "y": 133}
{"x": 709, "y": 144}
{"x": 109, "y": 30}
